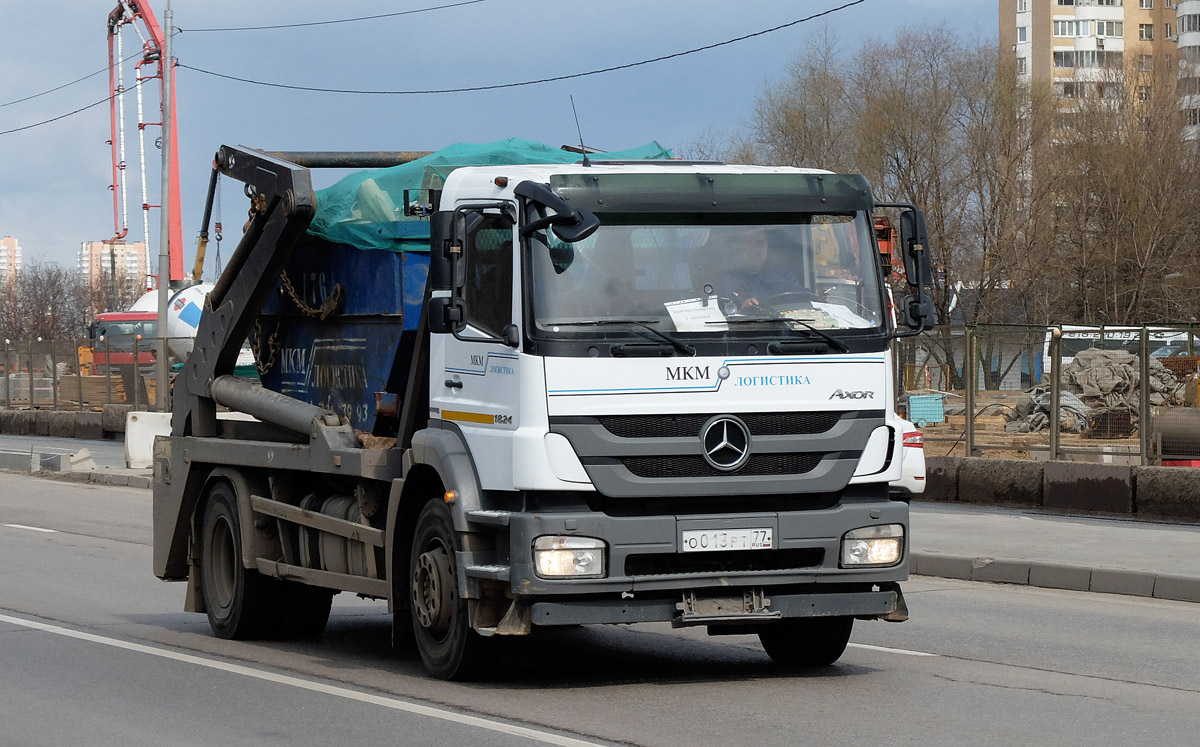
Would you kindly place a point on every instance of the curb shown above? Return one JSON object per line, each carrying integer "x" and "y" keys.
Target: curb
{"x": 1058, "y": 576}
{"x": 93, "y": 477}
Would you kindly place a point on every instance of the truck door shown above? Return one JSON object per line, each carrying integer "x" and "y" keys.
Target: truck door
{"x": 474, "y": 373}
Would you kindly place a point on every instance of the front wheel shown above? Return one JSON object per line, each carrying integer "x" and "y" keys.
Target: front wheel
{"x": 806, "y": 642}
{"x": 449, "y": 648}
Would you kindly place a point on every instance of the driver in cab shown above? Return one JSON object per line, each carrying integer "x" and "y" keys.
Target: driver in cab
{"x": 756, "y": 277}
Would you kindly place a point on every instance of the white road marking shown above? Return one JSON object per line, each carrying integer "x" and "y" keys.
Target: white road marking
{"x": 283, "y": 679}
{"x": 32, "y": 529}
{"x": 890, "y": 650}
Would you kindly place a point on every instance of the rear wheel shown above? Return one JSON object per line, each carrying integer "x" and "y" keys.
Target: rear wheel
{"x": 238, "y": 600}
{"x": 449, "y": 648}
{"x": 806, "y": 642}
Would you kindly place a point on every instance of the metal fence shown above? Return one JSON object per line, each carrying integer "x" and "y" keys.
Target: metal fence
{"x": 1013, "y": 392}
{"x": 83, "y": 374}
{"x": 1073, "y": 393}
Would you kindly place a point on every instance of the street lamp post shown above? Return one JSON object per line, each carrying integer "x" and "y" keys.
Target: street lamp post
{"x": 164, "y": 256}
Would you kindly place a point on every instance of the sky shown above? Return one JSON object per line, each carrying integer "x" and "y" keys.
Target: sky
{"x": 55, "y": 177}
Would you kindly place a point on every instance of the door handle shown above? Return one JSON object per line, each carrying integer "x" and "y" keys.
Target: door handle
{"x": 453, "y": 384}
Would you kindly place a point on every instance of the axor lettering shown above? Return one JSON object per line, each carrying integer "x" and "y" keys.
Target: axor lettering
{"x": 843, "y": 394}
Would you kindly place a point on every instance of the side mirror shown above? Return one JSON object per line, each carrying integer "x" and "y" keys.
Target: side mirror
{"x": 445, "y": 315}
{"x": 511, "y": 336}
{"x": 914, "y": 244}
{"x": 918, "y": 312}
{"x": 571, "y": 224}
{"x": 441, "y": 233}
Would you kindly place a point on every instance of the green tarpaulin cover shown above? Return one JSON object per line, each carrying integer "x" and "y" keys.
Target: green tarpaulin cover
{"x": 366, "y": 209}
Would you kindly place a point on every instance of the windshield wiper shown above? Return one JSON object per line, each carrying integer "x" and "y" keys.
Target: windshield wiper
{"x": 683, "y": 347}
{"x": 833, "y": 341}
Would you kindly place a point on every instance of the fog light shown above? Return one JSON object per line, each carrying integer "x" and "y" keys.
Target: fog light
{"x": 873, "y": 546}
{"x": 574, "y": 557}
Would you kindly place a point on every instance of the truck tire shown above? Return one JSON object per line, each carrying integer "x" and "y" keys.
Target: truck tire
{"x": 449, "y": 648}
{"x": 806, "y": 642}
{"x": 238, "y": 599}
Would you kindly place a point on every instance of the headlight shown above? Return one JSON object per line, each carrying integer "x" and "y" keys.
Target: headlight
{"x": 576, "y": 557}
{"x": 873, "y": 546}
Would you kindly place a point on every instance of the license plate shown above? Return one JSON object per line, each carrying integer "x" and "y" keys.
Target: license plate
{"x": 716, "y": 540}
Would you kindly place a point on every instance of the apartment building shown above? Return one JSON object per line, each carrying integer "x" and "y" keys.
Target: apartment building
{"x": 97, "y": 260}
{"x": 10, "y": 259}
{"x": 1187, "y": 27}
{"x": 1079, "y": 45}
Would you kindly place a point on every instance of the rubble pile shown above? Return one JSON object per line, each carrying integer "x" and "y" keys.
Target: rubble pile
{"x": 1096, "y": 384}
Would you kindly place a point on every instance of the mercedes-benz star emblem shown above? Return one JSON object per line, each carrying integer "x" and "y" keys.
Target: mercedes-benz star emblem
{"x": 726, "y": 441}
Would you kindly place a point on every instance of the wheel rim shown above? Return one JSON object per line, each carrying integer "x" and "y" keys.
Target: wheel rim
{"x": 433, "y": 586}
{"x": 221, "y": 564}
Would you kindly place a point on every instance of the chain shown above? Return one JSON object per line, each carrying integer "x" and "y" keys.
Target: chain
{"x": 273, "y": 347}
{"x": 258, "y": 205}
{"x": 328, "y": 306}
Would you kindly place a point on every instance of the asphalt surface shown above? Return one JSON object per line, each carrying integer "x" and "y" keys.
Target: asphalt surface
{"x": 960, "y": 541}
{"x": 94, "y": 650}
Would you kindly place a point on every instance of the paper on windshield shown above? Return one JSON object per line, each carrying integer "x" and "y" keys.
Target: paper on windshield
{"x": 693, "y": 315}
{"x": 842, "y": 316}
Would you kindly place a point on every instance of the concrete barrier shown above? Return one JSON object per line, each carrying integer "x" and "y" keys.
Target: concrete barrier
{"x": 56, "y": 424}
{"x": 113, "y": 417}
{"x": 16, "y": 461}
{"x": 89, "y": 426}
{"x": 941, "y": 479}
{"x": 140, "y": 430}
{"x": 1075, "y": 486}
{"x": 1005, "y": 482}
{"x": 1167, "y": 492}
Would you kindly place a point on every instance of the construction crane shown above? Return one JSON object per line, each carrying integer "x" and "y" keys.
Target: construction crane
{"x": 138, "y": 16}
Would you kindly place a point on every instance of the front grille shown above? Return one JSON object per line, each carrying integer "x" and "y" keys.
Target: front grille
{"x": 695, "y": 466}
{"x": 723, "y": 562}
{"x": 759, "y": 423}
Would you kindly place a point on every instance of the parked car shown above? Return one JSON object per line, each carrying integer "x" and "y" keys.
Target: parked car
{"x": 912, "y": 455}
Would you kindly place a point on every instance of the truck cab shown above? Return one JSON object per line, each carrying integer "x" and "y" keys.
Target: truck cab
{"x": 115, "y": 335}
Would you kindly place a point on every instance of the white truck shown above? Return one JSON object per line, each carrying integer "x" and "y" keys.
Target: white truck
{"x": 630, "y": 392}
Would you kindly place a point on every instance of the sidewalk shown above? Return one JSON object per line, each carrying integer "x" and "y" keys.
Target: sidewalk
{"x": 975, "y": 543}
{"x": 1021, "y": 546}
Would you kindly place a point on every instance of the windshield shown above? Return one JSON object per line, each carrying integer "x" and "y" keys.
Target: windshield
{"x": 774, "y": 277}
{"x": 113, "y": 329}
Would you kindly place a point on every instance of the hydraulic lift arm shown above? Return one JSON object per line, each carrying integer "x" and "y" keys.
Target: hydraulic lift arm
{"x": 283, "y": 204}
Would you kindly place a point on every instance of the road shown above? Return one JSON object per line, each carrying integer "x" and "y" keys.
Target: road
{"x": 94, "y": 650}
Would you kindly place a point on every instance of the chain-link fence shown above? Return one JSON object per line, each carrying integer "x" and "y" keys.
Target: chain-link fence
{"x": 1070, "y": 393}
{"x": 83, "y": 374}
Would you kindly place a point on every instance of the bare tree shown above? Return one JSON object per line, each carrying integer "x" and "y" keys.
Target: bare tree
{"x": 1126, "y": 192}
{"x": 46, "y": 300}
{"x": 807, "y": 119}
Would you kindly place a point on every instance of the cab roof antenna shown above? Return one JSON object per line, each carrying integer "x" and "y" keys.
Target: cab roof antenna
{"x": 582, "y": 147}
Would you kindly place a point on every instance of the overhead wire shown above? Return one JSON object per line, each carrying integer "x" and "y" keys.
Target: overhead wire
{"x": 468, "y": 89}
{"x": 64, "y": 85}
{"x": 330, "y": 23}
{"x": 104, "y": 100}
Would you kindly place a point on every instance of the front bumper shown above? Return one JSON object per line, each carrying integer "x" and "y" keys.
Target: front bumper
{"x": 887, "y": 603}
{"x": 649, "y": 578}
